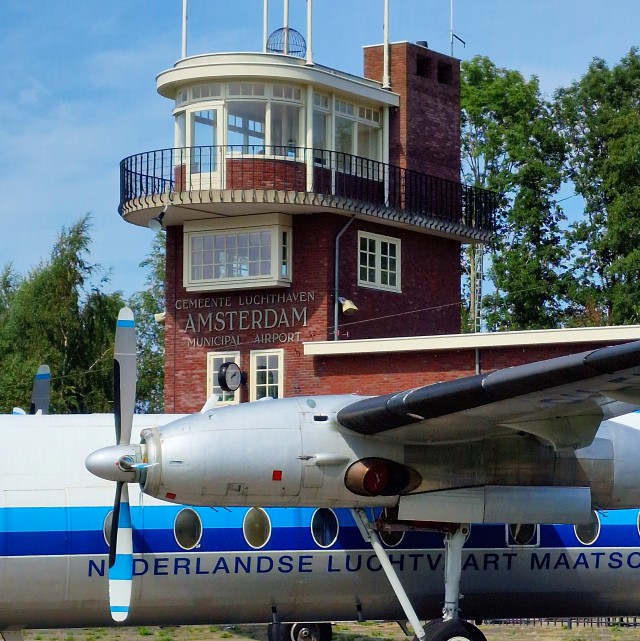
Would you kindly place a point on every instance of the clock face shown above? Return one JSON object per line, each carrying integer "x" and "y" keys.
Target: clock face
{"x": 229, "y": 377}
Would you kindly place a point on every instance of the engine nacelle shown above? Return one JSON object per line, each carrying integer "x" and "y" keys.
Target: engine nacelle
{"x": 289, "y": 452}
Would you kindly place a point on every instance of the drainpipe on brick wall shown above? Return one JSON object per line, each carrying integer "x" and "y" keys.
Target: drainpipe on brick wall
{"x": 336, "y": 278}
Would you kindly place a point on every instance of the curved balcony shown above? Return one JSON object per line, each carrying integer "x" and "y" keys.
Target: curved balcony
{"x": 201, "y": 182}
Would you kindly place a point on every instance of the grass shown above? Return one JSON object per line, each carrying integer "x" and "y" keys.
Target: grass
{"x": 368, "y": 631}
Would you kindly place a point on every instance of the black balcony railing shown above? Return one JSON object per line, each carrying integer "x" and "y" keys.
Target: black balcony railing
{"x": 370, "y": 183}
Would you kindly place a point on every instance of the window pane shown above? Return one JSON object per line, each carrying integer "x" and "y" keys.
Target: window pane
{"x": 204, "y": 138}
{"x": 267, "y": 375}
{"x": 368, "y": 142}
{"x": 285, "y": 129}
{"x": 216, "y": 362}
{"x": 320, "y": 130}
{"x": 231, "y": 255}
{"x": 378, "y": 262}
{"x": 246, "y": 126}
{"x": 344, "y": 135}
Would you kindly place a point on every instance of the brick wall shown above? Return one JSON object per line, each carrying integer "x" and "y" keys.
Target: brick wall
{"x": 373, "y": 374}
{"x": 428, "y": 304}
{"x": 425, "y": 129}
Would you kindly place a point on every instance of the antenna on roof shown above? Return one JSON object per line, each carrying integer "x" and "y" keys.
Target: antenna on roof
{"x": 453, "y": 35}
{"x": 184, "y": 28}
{"x": 386, "y": 82}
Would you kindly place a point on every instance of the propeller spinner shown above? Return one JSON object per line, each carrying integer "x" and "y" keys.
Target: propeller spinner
{"x": 121, "y": 463}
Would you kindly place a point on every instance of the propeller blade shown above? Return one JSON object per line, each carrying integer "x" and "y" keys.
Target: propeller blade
{"x": 120, "y": 555}
{"x": 124, "y": 398}
{"x": 41, "y": 392}
{"x": 124, "y": 375}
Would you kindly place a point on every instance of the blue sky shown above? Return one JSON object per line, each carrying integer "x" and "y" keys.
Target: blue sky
{"x": 77, "y": 89}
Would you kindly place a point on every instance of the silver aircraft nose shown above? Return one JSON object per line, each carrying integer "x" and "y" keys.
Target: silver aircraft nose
{"x": 119, "y": 463}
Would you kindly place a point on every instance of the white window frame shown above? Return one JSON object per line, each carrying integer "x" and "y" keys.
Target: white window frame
{"x": 212, "y": 377}
{"x": 378, "y": 239}
{"x": 277, "y": 224}
{"x": 253, "y": 383}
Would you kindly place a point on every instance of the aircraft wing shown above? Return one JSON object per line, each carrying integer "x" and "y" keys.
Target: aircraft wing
{"x": 561, "y": 401}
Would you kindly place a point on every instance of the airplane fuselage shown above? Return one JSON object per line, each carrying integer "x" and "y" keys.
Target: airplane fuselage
{"x": 244, "y": 562}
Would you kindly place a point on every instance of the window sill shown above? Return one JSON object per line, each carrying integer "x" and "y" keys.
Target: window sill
{"x": 248, "y": 283}
{"x": 381, "y": 288}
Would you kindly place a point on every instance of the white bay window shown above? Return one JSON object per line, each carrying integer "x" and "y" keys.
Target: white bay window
{"x": 258, "y": 254}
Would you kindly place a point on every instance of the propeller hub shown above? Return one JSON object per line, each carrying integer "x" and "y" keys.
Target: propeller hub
{"x": 119, "y": 463}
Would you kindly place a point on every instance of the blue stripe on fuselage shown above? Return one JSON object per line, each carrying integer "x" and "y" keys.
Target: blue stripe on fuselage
{"x": 78, "y": 530}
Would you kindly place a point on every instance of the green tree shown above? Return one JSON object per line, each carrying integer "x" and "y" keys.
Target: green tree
{"x": 600, "y": 117}
{"x": 150, "y": 333}
{"x": 510, "y": 144}
{"x": 57, "y": 315}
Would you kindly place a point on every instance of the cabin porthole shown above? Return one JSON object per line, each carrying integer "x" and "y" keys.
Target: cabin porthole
{"x": 187, "y": 529}
{"x": 256, "y": 527}
{"x": 522, "y": 534}
{"x": 588, "y": 534}
{"x": 324, "y": 527}
{"x": 391, "y": 538}
{"x": 106, "y": 527}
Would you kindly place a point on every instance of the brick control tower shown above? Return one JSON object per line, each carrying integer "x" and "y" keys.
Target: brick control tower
{"x": 303, "y": 204}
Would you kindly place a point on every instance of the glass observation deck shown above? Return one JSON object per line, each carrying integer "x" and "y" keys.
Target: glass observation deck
{"x": 205, "y": 181}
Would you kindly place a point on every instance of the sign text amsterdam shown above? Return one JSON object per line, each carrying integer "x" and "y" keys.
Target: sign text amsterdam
{"x": 274, "y": 318}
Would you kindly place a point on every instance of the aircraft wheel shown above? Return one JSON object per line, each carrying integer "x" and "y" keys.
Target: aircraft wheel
{"x": 299, "y": 632}
{"x": 453, "y": 631}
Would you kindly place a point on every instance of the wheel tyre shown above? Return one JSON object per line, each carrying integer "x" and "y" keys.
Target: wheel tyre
{"x": 309, "y": 632}
{"x": 453, "y": 631}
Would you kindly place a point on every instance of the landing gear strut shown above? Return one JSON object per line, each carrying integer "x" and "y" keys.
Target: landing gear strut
{"x": 450, "y": 627}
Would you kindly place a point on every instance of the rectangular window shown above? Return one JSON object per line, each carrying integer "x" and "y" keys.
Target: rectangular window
{"x": 379, "y": 262}
{"x": 234, "y": 255}
{"x": 344, "y": 143}
{"x": 366, "y": 113}
{"x": 246, "y": 89}
{"x": 287, "y": 92}
{"x": 368, "y": 141}
{"x": 321, "y": 101}
{"x": 246, "y": 127}
{"x": 344, "y": 107}
{"x": 202, "y": 92}
{"x": 267, "y": 374}
{"x": 232, "y": 258}
{"x": 182, "y": 96}
{"x": 214, "y": 361}
{"x": 285, "y": 129}
{"x": 321, "y": 145}
{"x": 204, "y": 138}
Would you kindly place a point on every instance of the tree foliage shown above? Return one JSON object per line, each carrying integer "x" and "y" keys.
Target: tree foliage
{"x": 61, "y": 314}
{"x": 511, "y": 144}
{"x": 150, "y": 333}
{"x": 600, "y": 117}
{"x": 51, "y": 316}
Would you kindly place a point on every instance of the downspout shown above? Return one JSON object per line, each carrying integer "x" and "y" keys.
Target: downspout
{"x": 336, "y": 283}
